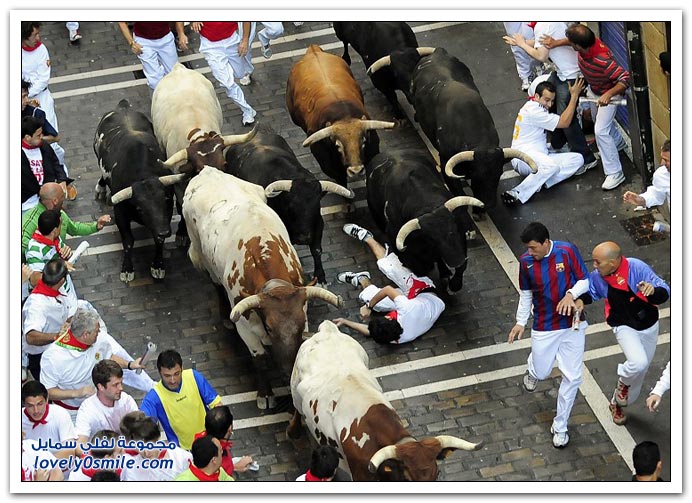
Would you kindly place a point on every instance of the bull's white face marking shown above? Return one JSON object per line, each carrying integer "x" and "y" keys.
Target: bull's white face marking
{"x": 360, "y": 442}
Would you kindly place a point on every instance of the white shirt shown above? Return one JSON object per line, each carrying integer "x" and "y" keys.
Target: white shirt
{"x": 43, "y": 314}
{"x": 181, "y": 462}
{"x": 36, "y": 70}
{"x": 417, "y": 316}
{"x": 564, "y": 57}
{"x": 529, "y": 129}
{"x": 659, "y": 190}
{"x": 663, "y": 383}
{"x": 45, "y": 254}
{"x": 30, "y": 458}
{"x": 93, "y": 415}
{"x": 71, "y": 369}
{"x": 58, "y": 427}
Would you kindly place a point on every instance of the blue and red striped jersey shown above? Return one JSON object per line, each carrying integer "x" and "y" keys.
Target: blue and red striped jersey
{"x": 549, "y": 279}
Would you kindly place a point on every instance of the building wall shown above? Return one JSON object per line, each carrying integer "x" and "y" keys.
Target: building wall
{"x": 654, "y": 38}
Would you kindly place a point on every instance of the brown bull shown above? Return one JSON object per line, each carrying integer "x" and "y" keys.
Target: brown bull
{"x": 324, "y": 100}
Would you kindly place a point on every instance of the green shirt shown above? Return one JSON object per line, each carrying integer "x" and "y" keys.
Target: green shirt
{"x": 30, "y": 224}
{"x": 188, "y": 476}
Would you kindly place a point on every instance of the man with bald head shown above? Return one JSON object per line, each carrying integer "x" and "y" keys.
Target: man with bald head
{"x": 632, "y": 293}
{"x": 51, "y": 196}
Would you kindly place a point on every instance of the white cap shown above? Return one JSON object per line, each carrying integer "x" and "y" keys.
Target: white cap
{"x": 536, "y": 81}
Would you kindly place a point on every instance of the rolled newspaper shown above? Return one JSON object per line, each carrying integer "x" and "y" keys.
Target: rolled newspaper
{"x": 614, "y": 101}
{"x": 151, "y": 351}
{"x": 76, "y": 253}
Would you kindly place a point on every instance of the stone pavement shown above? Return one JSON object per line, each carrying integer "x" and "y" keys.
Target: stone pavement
{"x": 90, "y": 79}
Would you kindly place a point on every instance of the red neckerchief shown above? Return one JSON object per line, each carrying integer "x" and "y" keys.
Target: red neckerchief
{"x": 618, "y": 281}
{"x": 598, "y": 49}
{"x": 132, "y": 452}
{"x": 90, "y": 472}
{"x": 31, "y": 49}
{"x": 69, "y": 341}
{"x": 37, "y": 236}
{"x": 203, "y": 477}
{"x": 532, "y": 24}
{"x": 42, "y": 289}
{"x": 226, "y": 457}
{"x": 413, "y": 292}
{"x": 40, "y": 421}
{"x": 309, "y": 477}
{"x": 30, "y": 147}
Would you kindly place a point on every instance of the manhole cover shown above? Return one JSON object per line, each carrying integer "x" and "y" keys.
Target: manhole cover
{"x": 641, "y": 230}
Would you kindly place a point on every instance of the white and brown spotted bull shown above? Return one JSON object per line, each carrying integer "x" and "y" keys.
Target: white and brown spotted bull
{"x": 245, "y": 248}
{"x": 325, "y": 101}
{"x": 187, "y": 122}
{"x": 343, "y": 406}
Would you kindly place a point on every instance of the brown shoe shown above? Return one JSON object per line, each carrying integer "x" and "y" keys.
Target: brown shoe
{"x": 71, "y": 192}
{"x": 619, "y": 417}
{"x": 621, "y": 393}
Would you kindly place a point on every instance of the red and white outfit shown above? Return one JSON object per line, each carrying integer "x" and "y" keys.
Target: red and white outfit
{"x": 94, "y": 416}
{"x": 219, "y": 41}
{"x": 55, "y": 425}
{"x": 159, "y": 54}
{"x": 415, "y": 312}
{"x": 45, "y": 310}
{"x": 529, "y": 136}
{"x": 181, "y": 462}
{"x": 31, "y": 458}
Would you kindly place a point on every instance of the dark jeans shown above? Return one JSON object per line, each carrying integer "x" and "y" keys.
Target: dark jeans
{"x": 573, "y": 135}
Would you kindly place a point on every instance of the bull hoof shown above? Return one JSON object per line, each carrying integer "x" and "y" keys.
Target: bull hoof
{"x": 294, "y": 431}
{"x": 126, "y": 277}
{"x": 157, "y": 273}
{"x": 182, "y": 241}
{"x": 266, "y": 402}
{"x": 470, "y": 235}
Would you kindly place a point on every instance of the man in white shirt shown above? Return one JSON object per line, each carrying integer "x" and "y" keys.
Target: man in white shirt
{"x": 67, "y": 364}
{"x": 530, "y": 137}
{"x": 549, "y": 42}
{"x": 659, "y": 191}
{"x": 41, "y": 421}
{"x": 105, "y": 409}
{"x": 37, "y": 463}
{"x": 412, "y": 309}
{"x": 663, "y": 385}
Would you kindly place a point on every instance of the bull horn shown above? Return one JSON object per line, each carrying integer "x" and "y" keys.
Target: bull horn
{"x": 121, "y": 196}
{"x": 318, "y": 135}
{"x": 511, "y": 153}
{"x": 370, "y": 124}
{"x": 315, "y": 292}
{"x": 466, "y": 155}
{"x": 406, "y": 229}
{"x": 455, "y": 202}
{"x": 450, "y": 442}
{"x": 178, "y": 157}
{"x": 233, "y": 139}
{"x": 172, "y": 179}
{"x": 277, "y": 187}
{"x": 379, "y": 64}
{"x": 425, "y": 51}
{"x": 251, "y": 302}
{"x": 337, "y": 189}
{"x": 388, "y": 452}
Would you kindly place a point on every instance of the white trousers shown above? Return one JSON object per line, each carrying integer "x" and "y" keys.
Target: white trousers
{"x": 271, "y": 31}
{"x": 225, "y": 64}
{"x": 248, "y": 67}
{"x": 72, "y": 25}
{"x": 399, "y": 274}
{"x": 639, "y": 348}
{"x": 158, "y": 57}
{"x": 552, "y": 169}
{"x": 608, "y": 137}
{"x": 523, "y": 61}
{"x": 47, "y": 104}
{"x": 60, "y": 154}
{"x": 567, "y": 347}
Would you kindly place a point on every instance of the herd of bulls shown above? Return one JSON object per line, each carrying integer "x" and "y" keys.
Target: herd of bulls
{"x": 242, "y": 211}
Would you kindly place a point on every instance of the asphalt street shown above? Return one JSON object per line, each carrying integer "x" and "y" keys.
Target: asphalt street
{"x": 461, "y": 378}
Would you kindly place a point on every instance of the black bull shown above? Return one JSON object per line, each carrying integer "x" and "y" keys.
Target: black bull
{"x": 410, "y": 203}
{"x": 292, "y": 191}
{"x": 130, "y": 160}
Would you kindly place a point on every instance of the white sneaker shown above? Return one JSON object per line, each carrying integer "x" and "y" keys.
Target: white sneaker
{"x": 266, "y": 51}
{"x": 352, "y": 278}
{"x": 560, "y": 438}
{"x": 245, "y": 81}
{"x": 586, "y": 167}
{"x": 612, "y": 181}
{"x": 297, "y": 23}
{"x": 74, "y": 35}
{"x": 249, "y": 119}
{"x": 357, "y": 232}
{"x": 529, "y": 382}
